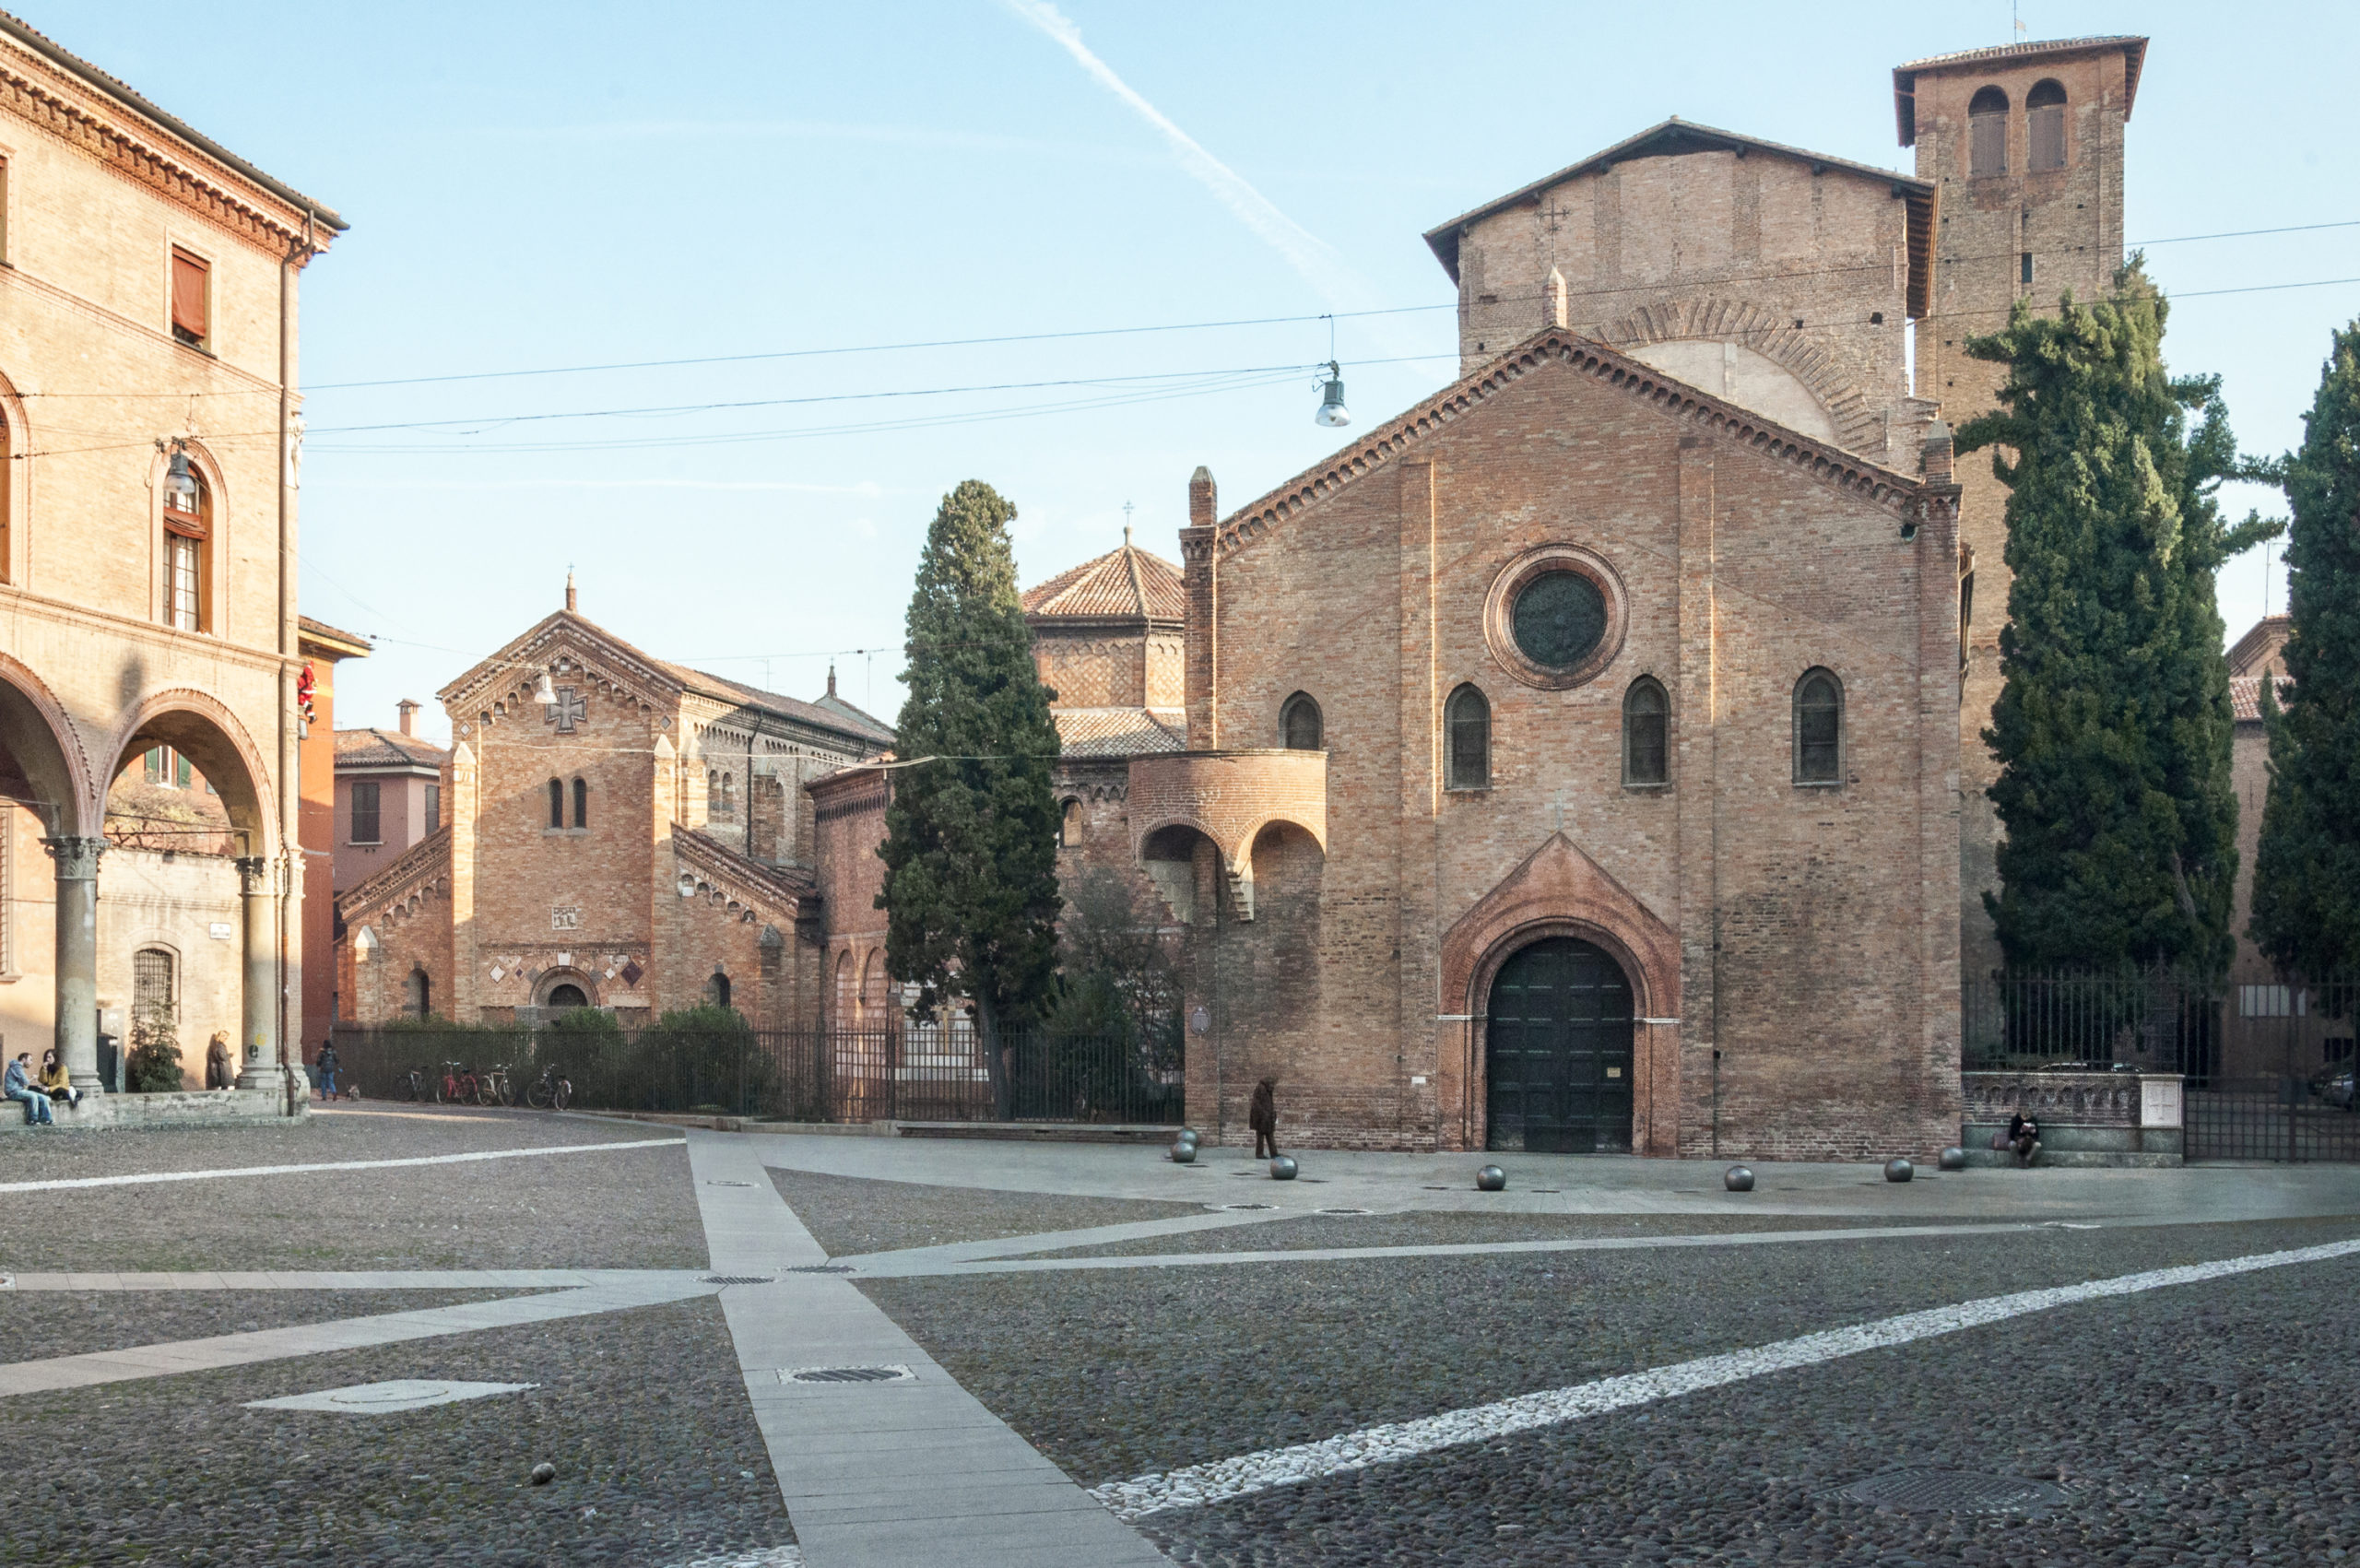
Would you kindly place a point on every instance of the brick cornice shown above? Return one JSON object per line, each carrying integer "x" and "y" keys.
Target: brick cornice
{"x": 420, "y": 864}
{"x": 746, "y": 883}
{"x": 145, "y": 163}
{"x": 511, "y": 670}
{"x": 1393, "y": 439}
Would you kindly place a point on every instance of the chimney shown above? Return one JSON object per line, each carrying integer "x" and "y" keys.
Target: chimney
{"x": 573, "y": 603}
{"x": 1201, "y": 509}
{"x": 408, "y": 711}
{"x": 1934, "y": 457}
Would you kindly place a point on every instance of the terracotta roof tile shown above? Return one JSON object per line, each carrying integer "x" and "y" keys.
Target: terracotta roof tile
{"x": 2245, "y": 695}
{"x": 385, "y": 748}
{"x": 1128, "y": 582}
{"x": 1120, "y": 732}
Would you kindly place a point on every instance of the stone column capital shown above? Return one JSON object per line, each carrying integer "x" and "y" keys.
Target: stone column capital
{"x": 253, "y": 875}
{"x": 78, "y": 859}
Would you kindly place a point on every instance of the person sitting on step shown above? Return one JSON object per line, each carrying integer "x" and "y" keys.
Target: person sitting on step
{"x": 2023, "y": 1136}
{"x": 53, "y": 1079}
{"x": 17, "y": 1084}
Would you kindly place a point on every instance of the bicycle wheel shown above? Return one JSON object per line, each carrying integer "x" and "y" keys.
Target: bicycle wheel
{"x": 507, "y": 1091}
{"x": 406, "y": 1086}
{"x": 563, "y": 1095}
{"x": 539, "y": 1097}
{"x": 487, "y": 1091}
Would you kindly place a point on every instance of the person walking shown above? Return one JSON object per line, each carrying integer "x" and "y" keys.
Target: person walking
{"x": 17, "y": 1083}
{"x": 53, "y": 1082}
{"x": 1263, "y": 1118}
{"x": 325, "y": 1066}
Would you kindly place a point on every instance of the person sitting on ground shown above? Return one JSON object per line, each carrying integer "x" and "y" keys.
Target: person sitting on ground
{"x": 216, "y": 1061}
{"x": 1263, "y": 1118}
{"x": 325, "y": 1064}
{"x": 2023, "y": 1136}
{"x": 17, "y": 1084}
{"x": 53, "y": 1079}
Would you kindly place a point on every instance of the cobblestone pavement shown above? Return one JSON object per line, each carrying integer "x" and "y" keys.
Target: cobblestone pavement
{"x": 36, "y": 1325}
{"x": 2199, "y": 1425}
{"x": 631, "y": 1209}
{"x": 849, "y": 1214}
{"x": 644, "y": 1414}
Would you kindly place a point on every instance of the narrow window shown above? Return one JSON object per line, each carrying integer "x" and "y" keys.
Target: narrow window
{"x": 433, "y": 806}
{"x": 183, "y": 775}
{"x": 366, "y": 826}
{"x": 1468, "y": 718}
{"x": 154, "y": 999}
{"x": 717, "y": 990}
{"x": 192, "y": 299}
{"x": 581, "y": 804}
{"x": 188, "y": 533}
{"x": 2025, "y": 270}
{"x": 1070, "y": 825}
{"x": 1646, "y": 756}
{"x": 1986, "y": 132}
{"x": 1966, "y": 614}
{"x": 419, "y": 1003}
{"x": 845, "y": 1000}
{"x": 1819, "y": 729}
{"x": 2044, "y": 125}
{"x": 152, "y": 764}
{"x": 557, "y": 804}
{"x": 1299, "y": 724}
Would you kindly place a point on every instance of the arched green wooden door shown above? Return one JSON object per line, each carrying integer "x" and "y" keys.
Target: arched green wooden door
{"x": 1557, "y": 1052}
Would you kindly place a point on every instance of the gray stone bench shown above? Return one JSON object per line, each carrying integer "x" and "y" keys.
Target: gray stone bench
{"x": 2086, "y": 1118}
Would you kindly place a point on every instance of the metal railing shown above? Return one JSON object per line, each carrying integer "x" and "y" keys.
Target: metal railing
{"x": 914, "y": 1073}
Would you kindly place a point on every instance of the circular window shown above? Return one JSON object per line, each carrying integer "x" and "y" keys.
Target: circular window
{"x": 1559, "y": 620}
{"x": 1554, "y": 617}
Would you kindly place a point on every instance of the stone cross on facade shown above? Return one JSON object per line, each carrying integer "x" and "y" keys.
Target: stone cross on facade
{"x": 567, "y": 711}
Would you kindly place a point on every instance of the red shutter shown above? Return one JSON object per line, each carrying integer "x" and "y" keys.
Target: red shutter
{"x": 188, "y": 295}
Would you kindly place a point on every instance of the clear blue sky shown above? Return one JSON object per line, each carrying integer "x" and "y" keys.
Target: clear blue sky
{"x": 536, "y": 185}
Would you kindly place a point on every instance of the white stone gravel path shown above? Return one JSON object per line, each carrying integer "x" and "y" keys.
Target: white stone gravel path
{"x": 1196, "y": 1485}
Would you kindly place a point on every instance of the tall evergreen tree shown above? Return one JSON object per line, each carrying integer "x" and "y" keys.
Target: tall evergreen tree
{"x": 2113, "y": 727}
{"x": 2307, "y": 872}
{"x": 969, "y": 850}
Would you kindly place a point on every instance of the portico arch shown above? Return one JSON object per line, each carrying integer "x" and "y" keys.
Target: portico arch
{"x": 44, "y": 771}
{"x": 1561, "y": 892}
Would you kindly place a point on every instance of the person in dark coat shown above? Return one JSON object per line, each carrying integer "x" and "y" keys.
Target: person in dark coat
{"x": 216, "y": 1061}
{"x": 1263, "y": 1118}
{"x": 2023, "y": 1136}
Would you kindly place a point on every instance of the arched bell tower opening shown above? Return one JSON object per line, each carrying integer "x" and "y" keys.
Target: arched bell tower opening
{"x": 1559, "y": 1051}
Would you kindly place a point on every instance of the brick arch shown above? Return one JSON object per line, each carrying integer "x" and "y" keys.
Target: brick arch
{"x": 1560, "y": 891}
{"x": 1770, "y": 334}
{"x": 201, "y": 727}
{"x": 47, "y": 748}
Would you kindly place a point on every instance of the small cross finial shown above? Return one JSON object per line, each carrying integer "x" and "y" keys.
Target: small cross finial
{"x": 1126, "y": 524}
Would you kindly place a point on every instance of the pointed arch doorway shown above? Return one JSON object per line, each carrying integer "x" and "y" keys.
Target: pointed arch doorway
{"x": 1558, "y": 1051}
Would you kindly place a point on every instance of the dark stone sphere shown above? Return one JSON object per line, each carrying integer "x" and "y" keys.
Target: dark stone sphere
{"x": 1282, "y": 1168}
{"x": 1491, "y": 1178}
{"x": 1953, "y": 1158}
{"x": 1737, "y": 1178}
{"x": 1189, "y": 1135}
{"x": 1899, "y": 1170}
{"x": 1184, "y": 1151}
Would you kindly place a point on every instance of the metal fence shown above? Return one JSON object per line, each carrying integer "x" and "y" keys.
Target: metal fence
{"x": 2269, "y": 1066}
{"x": 912, "y": 1074}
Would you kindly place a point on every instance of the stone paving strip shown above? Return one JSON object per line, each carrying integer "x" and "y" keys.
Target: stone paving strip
{"x": 886, "y": 1473}
{"x": 1196, "y": 1485}
{"x": 345, "y": 1334}
{"x": 356, "y": 1279}
{"x": 62, "y": 1184}
{"x": 928, "y": 1262}
{"x": 910, "y": 1261}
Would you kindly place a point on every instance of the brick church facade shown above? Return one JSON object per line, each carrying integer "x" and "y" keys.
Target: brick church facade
{"x": 1587, "y": 759}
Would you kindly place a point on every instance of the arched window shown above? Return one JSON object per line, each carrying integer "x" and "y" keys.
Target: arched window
{"x": 1986, "y": 132}
{"x": 1645, "y": 753}
{"x": 155, "y": 999}
{"x": 562, "y": 997}
{"x": 581, "y": 804}
{"x": 846, "y": 1001}
{"x": 872, "y": 986}
{"x": 1070, "y": 825}
{"x": 1468, "y": 718}
{"x": 1299, "y": 724}
{"x": 419, "y": 1000}
{"x": 557, "y": 803}
{"x": 2045, "y": 127}
{"x": 717, "y": 990}
{"x": 1819, "y": 728}
{"x": 724, "y": 799}
{"x": 188, "y": 536}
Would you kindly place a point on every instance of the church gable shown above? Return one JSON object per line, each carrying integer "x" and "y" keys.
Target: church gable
{"x": 563, "y": 644}
{"x": 1558, "y": 351}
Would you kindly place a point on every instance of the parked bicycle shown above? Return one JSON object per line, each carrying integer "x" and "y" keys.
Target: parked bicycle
{"x": 411, "y": 1085}
{"x": 459, "y": 1084}
{"x": 494, "y": 1088}
{"x": 554, "y": 1092}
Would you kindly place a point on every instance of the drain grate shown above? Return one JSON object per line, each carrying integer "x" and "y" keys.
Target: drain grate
{"x": 1343, "y": 1211}
{"x": 1244, "y": 1206}
{"x": 1953, "y": 1492}
{"x": 846, "y": 1374}
{"x": 821, "y": 1268}
{"x": 712, "y": 1183}
{"x": 735, "y": 1279}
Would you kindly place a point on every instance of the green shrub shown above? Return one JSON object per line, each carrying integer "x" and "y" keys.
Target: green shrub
{"x": 154, "y": 1065}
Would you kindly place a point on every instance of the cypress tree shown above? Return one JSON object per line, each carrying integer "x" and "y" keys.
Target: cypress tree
{"x": 2113, "y": 727}
{"x": 2307, "y": 872}
{"x": 969, "y": 850}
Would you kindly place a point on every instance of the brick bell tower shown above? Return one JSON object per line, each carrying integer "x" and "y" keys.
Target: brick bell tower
{"x": 2024, "y": 144}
